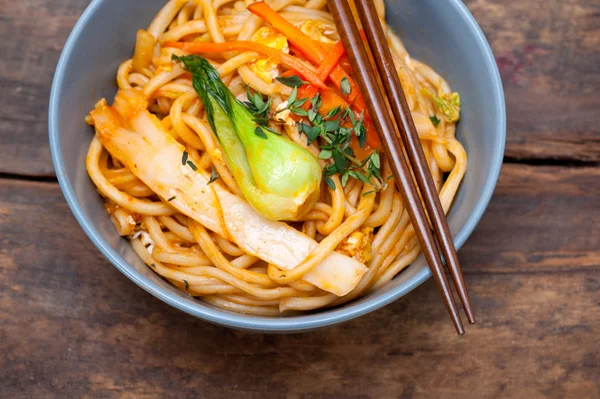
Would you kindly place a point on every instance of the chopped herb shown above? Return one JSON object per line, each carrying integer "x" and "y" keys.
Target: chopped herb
{"x": 345, "y": 113}
{"x": 299, "y": 111}
{"x": 298, "y": 103}
{"x": 331, "y": 126}
{"x": 187, "y": 285}
{"x": 260, "y": 133}
{"x": 360, "y": 131}
{"x": 311, "y": 132}
{"x": 345, "y": 86}
{"x": 258, "y": 106}
{"x": 325, "y": 154}
{"x": 360, "y": 176}
{"x": 375, "y": 159}
{"x": 336, "y": 144}
{"x": 214, "y": 176}
{"x": 184, "y": 158}
{"x": 172, "y": 198}
{"x": 293, "y": 96}
{"x": 339, "y": 160}
{"x": 333, "y": 112}
{"x": 261, "y": 121}
{"x": 291, "y": 81}
{"x": 368, "y": 192}
{"x": 329, "y": 182}
{"x": 434, "y": 119}
{"x": 192, "y": 165}
{"x": 345, "y": 177}
{"x": 316, "y": 101}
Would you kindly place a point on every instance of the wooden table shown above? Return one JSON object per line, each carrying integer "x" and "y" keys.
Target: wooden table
{"x": 71, "y": 325}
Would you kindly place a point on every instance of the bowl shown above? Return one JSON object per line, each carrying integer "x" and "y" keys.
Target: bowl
{"x": 440, "y": 33}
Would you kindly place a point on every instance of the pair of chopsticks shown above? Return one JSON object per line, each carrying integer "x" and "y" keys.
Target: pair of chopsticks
{"x": 387, "y": 130}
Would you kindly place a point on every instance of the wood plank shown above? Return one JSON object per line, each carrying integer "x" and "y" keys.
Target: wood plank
{"x": 37, "y": 30}
{"x": 549, "y": 66}
{"x": 72, "y": 325}
{"x": 541, "y": 219}
{"x": 549, "y": 57}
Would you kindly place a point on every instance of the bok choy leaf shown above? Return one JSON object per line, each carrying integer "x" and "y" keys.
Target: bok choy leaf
{"x": 279, "y": 178}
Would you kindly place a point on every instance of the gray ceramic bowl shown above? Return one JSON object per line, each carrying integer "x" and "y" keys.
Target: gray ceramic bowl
{"x": 441, "y": 33}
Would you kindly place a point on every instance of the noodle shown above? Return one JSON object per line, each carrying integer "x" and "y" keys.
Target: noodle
{"x": 354, "y": 219}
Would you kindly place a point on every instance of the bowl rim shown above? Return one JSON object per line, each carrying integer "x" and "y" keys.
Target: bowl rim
{"x": 254, "y": 323}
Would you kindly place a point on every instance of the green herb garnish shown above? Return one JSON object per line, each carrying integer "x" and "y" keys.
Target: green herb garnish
{"x": 291, "y": 81}
{"x": 345, "y": 86}
{"x": 192, "y": 165}
{"x": 214, "y": 175}
{"x": 329, "y": 182}
{"x": 258, "y": 106}
{"x": 336, "y": 148}
{"x": 435, "y": 120}
{"x": 260, "y": 133}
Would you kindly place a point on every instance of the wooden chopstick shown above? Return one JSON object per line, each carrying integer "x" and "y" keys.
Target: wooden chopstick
{"x": 391, "y": 82}
{"x": 367, "y": 81}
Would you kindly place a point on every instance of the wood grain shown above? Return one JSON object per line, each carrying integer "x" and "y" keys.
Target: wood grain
{"x": 542, "y": 220}
{"x": 548, "y": 53}
{"x": 34, "y": 33}
{"x": 73, "y": 326}
{"x": 549, "y": 65}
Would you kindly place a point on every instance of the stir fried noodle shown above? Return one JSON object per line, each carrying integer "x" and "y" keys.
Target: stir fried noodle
{"x": 200, "y": 214}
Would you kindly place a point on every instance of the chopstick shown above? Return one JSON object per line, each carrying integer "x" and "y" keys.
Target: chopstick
{"x": 367, "y": 80}
{"x": 391, "y": 82}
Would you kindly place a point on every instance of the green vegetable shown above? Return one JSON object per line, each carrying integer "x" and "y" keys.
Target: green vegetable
{"x": 214, "y": 176}
{"x": 448, "y": 104}
{"x": 336, "y": 147}
{"x": 435, "y": 120}
{"x": 345, "y": 86}
{"x": 192, "y": 165}
{"x": 279, "y": 178}
{"x": 291, "y": 81}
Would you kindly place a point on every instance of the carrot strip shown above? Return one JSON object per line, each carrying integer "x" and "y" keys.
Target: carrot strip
{"x": 278, "y": 56}
{"x": 313, "y": 51}
{"x": 331, "y": 60}
{"x": 304, "y": 43}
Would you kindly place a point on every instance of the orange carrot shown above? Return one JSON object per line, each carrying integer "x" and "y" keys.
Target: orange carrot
{"x": 331, "y": 60}
{"x": 278, "y": 56}
{"x": 313, "y": 51}
{"x": 304, "y": 43}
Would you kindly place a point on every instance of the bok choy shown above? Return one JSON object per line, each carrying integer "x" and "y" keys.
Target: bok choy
{"x": 279, "y": 178}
